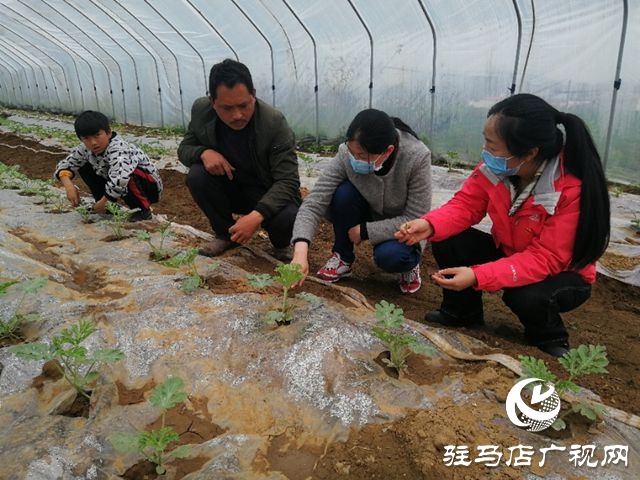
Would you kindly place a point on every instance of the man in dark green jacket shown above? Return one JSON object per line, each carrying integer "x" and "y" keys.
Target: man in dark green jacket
{"x": 241, "y": 158}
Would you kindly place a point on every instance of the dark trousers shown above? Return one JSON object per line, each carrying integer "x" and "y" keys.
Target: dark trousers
{"x": 219, "y": 198}
{"x": 537, "y": 306}
{"x": 142, "y": 190}
{"x": 349, "y": 208}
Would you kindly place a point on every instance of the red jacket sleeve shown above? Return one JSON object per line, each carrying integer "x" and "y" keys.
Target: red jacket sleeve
{"x": 548, "y": 253}
{"x": 467, "y": 208}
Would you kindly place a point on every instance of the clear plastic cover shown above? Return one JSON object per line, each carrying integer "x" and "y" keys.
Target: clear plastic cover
{"x": 437, "y": 64}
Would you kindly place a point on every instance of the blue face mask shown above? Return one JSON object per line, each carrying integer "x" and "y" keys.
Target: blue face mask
{"x": 498, "y": 165}
{"x": 360, "y": 166}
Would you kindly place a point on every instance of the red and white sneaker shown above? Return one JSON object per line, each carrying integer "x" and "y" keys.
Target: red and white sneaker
{"x": 334, "y": 269}
{"x": 410, "y": 281}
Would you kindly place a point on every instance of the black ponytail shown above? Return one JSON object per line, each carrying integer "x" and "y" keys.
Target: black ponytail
{"x": 583, "y": 161}
{"x": 403, "y": 127}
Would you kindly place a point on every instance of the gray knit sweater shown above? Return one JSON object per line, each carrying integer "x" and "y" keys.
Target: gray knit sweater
{"x": 403, "y": 194}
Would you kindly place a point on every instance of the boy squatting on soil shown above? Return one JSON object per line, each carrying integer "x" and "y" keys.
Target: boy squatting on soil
{"x": 111, "y": 167}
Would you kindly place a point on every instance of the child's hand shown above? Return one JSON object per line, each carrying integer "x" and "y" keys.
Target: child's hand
{"x": 101, "y": 205}
{"x": 72, "y": 194}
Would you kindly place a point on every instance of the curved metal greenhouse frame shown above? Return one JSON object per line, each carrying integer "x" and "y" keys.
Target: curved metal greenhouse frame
{"x": 145, "y": 62}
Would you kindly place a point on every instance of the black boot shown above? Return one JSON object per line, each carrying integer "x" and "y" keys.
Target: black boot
{"x": 555, "y": 348}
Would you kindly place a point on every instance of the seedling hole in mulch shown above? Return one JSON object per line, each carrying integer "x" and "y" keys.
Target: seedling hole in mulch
{"x": 179, "y": 468}
{"x": 79, "y": 407}
{"x": 193, "y": 424}
{"x": 115, "y": 238}
{"x": 421, "y": 369}
{"x": 131, "y": 396}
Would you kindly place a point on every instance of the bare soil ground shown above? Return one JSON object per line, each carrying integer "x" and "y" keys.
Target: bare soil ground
{"x": 411, "y": 448}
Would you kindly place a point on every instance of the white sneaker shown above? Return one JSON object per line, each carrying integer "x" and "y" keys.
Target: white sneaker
{"x": 334, "y": 269}
{"x": 410, "y": 281}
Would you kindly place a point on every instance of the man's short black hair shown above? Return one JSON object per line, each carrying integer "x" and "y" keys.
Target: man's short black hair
{"x": 90, "y": 123}
{"x": 229, "y": 73}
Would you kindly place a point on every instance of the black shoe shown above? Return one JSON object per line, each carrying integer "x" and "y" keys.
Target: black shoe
{"x": 443, "y": 318}
{"x": 555, "y": 349}
{"x": 141, "y": 215}
{"x": 284, "y": 254}
{"x": 216, "y": 247}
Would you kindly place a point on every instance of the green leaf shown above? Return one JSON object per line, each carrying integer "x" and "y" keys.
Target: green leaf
{"x": 182, "y": 451}
{"x": 260, "y": 281}
{"x": 423, "y": 349}
{"x": 78, "y": 332}
{"x": 10, "y": 329}
{"x": 108, "y": 355}
{"x": 168, "y": 394}
{"x": 191, "y": 254}
{"x": 28, "y": 317}
{"x": 32, "y": 351}
{"x": 89, "y": 378}
{"x": 78, "y": 353}
{"x": 310, "y": 297}
{"x": 589, "y": 410}
{"x": 585, "y": 359}
{"x": 124, "y": 442}
{"x": 564, "y": 385}
{"x": 398, "y": 365}
{"x": 389, "y": 315}
{"x": 142, "y": 235}
{"x": 165, "y": 229}
{"x": 177, "y": 260}
{"x": 213, "y": 265}
{"x": 157, "y": 440}
{"x": 191, "y": 283}
{"x": 32, "y": 285}
{"x": 5, "y": 285}
{"x": 383, "y": 334}
{"x": 275, "y": 317}
{"x": 535, "y": 368}
{"x": 559, "y": 424}
{"x": 405, "y": 340}
{"x": 288, "y": 274}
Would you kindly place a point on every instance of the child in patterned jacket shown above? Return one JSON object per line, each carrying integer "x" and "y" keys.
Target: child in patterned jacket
{"x": 111, "y": 167}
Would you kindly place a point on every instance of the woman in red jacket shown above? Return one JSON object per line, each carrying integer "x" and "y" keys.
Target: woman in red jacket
{"x": 548, "y": 203}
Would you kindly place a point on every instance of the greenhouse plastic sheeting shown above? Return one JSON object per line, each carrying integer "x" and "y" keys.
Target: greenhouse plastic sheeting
{"x": 438, "y": 64}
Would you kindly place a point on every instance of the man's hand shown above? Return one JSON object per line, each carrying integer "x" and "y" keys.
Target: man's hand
{"x": 245, "y": 227}
{"x": 216, "y": 164}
